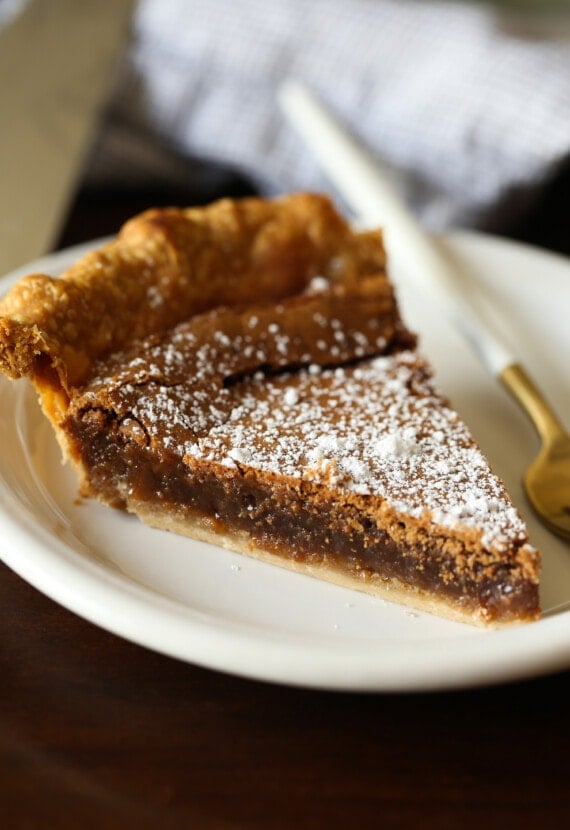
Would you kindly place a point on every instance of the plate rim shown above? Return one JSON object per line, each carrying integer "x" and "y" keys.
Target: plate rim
{"x": 173, "y": 623}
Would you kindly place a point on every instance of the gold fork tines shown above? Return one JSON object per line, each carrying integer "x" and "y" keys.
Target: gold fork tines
{"x": 547, "y": 479}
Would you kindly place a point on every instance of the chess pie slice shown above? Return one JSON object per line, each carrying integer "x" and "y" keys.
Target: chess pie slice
{"x": 241, "y": 374}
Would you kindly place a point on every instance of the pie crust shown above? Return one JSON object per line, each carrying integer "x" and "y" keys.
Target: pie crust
{"x": 241, "y": 374}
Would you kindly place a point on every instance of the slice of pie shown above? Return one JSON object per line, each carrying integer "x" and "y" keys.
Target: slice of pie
{"x": 241, "y": 374}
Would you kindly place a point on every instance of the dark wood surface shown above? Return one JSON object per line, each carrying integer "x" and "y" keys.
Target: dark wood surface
{"x": 98, "y": 733}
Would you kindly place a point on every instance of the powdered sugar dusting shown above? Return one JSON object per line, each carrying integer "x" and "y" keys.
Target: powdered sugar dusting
{"x": 377, "y": 430}
{"x": 220, "y": 389}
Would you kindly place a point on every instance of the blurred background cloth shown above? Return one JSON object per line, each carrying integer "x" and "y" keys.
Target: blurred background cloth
{"x": 467, "y": 104}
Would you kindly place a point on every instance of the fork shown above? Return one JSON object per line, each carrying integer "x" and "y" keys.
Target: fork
{"x": 359, "y": 179}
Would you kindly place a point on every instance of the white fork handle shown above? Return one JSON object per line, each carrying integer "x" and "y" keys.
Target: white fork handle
{"x": 360, "y": 181}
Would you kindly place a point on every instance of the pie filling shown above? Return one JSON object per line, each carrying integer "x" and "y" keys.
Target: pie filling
{"x": 292, "y": 464}
{"x": 285, "y": 521}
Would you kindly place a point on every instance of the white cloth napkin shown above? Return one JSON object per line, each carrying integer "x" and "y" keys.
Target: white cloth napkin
{"x": 468, "y": 106}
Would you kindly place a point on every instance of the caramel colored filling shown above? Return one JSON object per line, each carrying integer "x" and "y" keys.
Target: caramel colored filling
{"x": 279, "y": 518}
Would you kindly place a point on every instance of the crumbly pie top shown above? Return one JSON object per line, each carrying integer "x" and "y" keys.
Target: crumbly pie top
{"x": 218, "y": 391}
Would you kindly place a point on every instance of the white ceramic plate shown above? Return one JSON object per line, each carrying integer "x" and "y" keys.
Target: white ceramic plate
{"x": 217, "y": 609}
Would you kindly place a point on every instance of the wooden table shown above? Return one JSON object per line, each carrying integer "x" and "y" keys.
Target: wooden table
{"x": 98, "y": 733}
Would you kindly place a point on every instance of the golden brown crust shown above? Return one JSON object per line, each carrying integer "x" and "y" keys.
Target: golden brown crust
{"x": 168, "y": 264}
